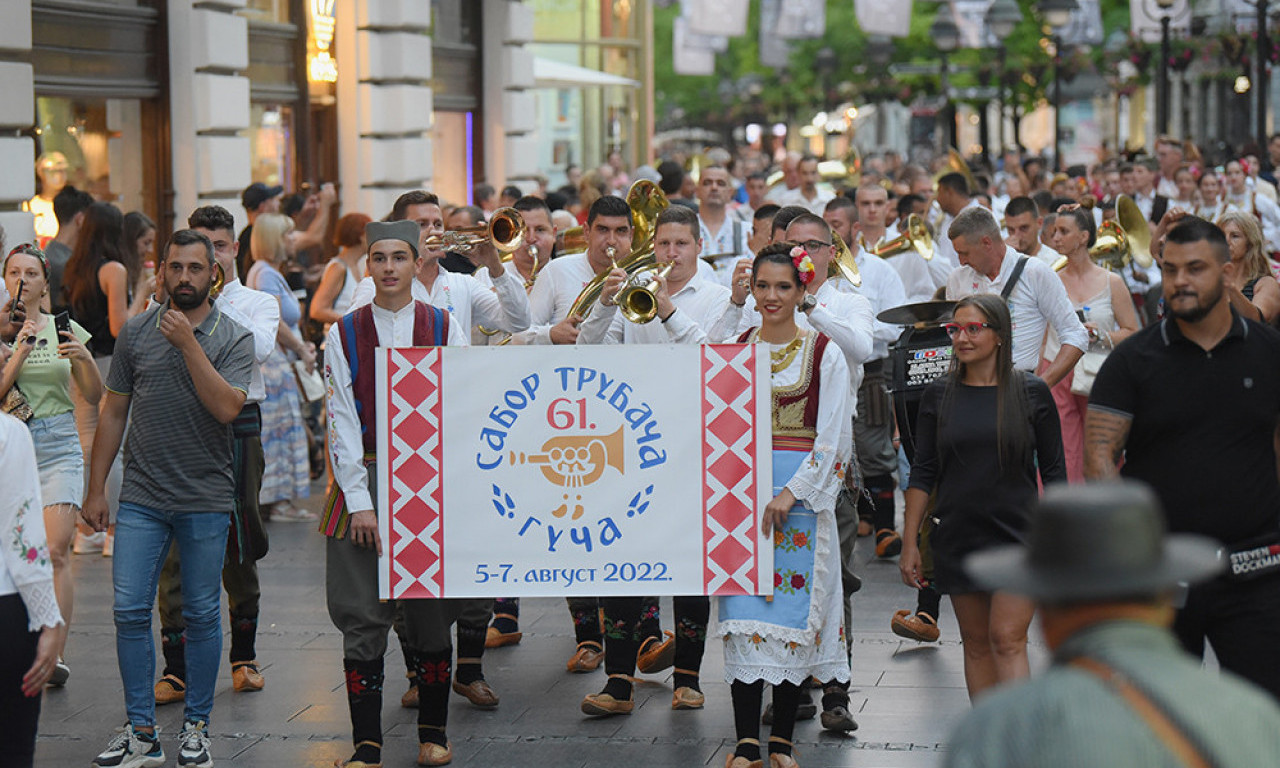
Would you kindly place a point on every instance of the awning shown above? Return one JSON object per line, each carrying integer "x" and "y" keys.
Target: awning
{"x": 548, "y": 73}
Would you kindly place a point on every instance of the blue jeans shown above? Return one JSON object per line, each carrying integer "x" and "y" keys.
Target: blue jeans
{"x": 142, "y": 542}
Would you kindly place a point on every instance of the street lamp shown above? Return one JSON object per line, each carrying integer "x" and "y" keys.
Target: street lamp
{"x": 1163, "y": 12}
{"x": 1057, "y": 14}
{"x": 946, "y": 37}
{"x": 1002, "y": 17}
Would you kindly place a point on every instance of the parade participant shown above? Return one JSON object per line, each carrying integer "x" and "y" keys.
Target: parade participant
{"x": 690, "y": 310}
{"x": 343, "y": 272}
{"x": 1203, "y": 352}
{"x": 1212, "y": 203}
{"x": 874, "y": 426}
{"x": 259, "y": 313}
{"x": 756, "y": 187}
{"x": 492, "y": 297}
{"x": 45, "y": 364}
{"x": 790, "y": 168}
{"x": 781, "y": 220}
{"x": 178, "y": 487}
{"x": 1152, "y": 204}
{"x": 1261, "y": 207}
{"x": 762, "y": 227}
{"x": 353, "y": 544}
{"x": 1035, "y": 296}
{"x": 1022, "y": 223}
{"x": 985, "y": 433}
{"x": 954, "y": 196}
{"x": 1186, "y": 181}
{"x": 1119, "y": 691}
{"x": 807, "y": 195}
{"x": 872, "y": 201}
{"x": 462, "y": 217}
{"x": 31, "y": 629}
{"x": 1102, "y": 299}
{"x": 795, "y": 634}
{"x": 1170, "y": 154}
{"x": 725, "y": 237}
{"x": 1250, "y": 285}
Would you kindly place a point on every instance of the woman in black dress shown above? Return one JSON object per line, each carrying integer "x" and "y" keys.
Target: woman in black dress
{"x": 983, "y": 430}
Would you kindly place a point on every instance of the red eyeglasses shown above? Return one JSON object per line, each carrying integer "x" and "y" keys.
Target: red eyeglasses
{"x": 970, "y": 329}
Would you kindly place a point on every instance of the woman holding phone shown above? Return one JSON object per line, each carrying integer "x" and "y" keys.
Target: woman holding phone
{"x": 47, "y": 354}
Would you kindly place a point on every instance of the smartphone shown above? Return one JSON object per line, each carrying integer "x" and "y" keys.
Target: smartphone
{"x": 62, "y": 323}
{"x": 14, "y": 315}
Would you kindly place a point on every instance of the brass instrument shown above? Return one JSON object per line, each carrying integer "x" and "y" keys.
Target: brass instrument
{"x": 646, "y": 201}
{"x": 576, "y": 461}
{"x": 843, "y": 263}
{"x": 570, "y": 241}
{"x": 915, "y": 238}
{"x": 1111, "y": 250}
{"x": 956, "y": 164}
{"x": 505, "y": 230}
{"x": 1136, "y": 229}
{"x": 637, "y": 300}
{"x": 219, "y": 279}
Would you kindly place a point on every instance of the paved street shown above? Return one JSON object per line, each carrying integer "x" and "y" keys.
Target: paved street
{"x": 905, "y": 696}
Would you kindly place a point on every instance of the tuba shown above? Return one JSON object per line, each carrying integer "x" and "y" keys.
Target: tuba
{"x": 1136, "y": 229}
{"x": 916, "y": 238}
{"x": 843, "y": 263}
{"x": 956, "y": 164}
{"x": 505, "y": 230}
{"x": 646, "y": 201}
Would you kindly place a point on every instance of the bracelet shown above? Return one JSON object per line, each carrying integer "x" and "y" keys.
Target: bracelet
{"x": 673, "y": 314}
{"x": 736, "y": 304}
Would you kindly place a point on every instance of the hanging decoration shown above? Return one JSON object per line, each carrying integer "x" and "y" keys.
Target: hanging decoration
{"x": 689, "y": 53}
{"x": 884, "y": 17}
{"x": 726, "y": 18}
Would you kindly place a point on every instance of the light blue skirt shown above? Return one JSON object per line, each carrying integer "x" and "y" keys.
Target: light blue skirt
{"x": 59, "y": 459}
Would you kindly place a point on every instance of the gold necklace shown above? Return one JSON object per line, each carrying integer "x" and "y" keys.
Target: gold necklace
{"x": 780, "y": 359}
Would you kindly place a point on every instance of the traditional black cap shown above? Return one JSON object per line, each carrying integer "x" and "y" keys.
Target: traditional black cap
{"x": 404, "y": 230}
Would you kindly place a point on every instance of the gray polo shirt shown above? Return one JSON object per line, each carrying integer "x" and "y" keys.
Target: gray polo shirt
{"x": 177, "y": 455}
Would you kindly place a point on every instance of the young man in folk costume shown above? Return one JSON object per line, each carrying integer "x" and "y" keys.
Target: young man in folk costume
{"x": 394, "y": 319}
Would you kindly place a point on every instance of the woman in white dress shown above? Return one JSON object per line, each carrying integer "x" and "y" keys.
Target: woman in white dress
{"x": 796, "y": 633}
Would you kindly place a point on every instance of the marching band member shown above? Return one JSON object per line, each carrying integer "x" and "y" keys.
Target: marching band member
{"x": 728, "y": 241}
{"x": 796, "y": 634}
{"x": 394, "y": 319}
{"x": 1261, "y": 207}
{"x": 872, "y": 202}
{"x": 953, "y": 196}
{"x": 687, "y": 305}
{"x": 467, "y": 297}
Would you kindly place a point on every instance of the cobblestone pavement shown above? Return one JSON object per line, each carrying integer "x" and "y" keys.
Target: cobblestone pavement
{"x": 905, "y": 696}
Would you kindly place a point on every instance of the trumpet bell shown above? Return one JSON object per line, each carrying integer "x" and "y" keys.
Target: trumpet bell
{"x": 915, "y": 238}
{"x": 1136, "y": 229}
{"x": 1111, "y": 250}
{"x": 505, "y": 230}
{"x": 570, "y": 241}
{"x": 843, "y": 263}
{"x": 646, "y": 200}
{"x": 219, "y": 280}
{"x": 637, "y": 300}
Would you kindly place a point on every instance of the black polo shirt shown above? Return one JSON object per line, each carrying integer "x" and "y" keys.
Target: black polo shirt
{"x": 1202, "y": 426}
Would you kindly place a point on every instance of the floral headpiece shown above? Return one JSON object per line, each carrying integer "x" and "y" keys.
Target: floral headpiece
{"x": 804, "y": 265}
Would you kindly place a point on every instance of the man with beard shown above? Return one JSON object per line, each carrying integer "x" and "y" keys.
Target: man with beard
{"x": 1192, "y": 403}
{"x": 185, "y": 368}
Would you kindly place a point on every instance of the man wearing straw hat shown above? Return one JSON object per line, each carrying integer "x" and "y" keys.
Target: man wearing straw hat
{"x": 1120, "y": 691}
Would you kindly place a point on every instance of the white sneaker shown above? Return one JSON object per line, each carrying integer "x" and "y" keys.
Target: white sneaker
{"x": 89, "y": 545}
{"x": 131, "y": 749}
{"x": 193, "y": 749}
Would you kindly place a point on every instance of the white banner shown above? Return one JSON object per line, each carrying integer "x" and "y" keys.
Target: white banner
{"x": 884, "y": 17}
{"x": 1145, "y": 15}
{"x": 559, "y": 471}
{"x": 774, "y": 50}
{"x": 798, "y": 19}
{"x": 686, "y": 57}
{"x": 716, "y": 17}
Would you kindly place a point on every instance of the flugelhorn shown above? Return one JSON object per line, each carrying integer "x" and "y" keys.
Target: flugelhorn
{"x": 915, "y": 238}
{"x": 505, "y": 230}
{"x": 637, "y": 300}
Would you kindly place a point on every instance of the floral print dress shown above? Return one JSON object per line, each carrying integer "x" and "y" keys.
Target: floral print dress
{"x": 797, "y": 633}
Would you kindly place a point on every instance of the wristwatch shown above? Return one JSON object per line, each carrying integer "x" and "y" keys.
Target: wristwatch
{"x": 808, "y": 303}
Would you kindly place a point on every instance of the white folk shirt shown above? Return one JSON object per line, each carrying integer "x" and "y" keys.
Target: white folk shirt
{"x": 1146, "y": 202}
{"x": 1167, "y": 187}
{"x": 478, "y": 339}
{"x": 558, "y": 285}
{"x": 728, "y": 246}
{"x": 944, "y": 260}
{"x": 25, "y": 566}
{"x": 1038, "y": 301}
{"x": 470, "y": 299}
{"x": 1265, "y": 211}
{"x": 259, "y": 313}
{"x": 883, "y": 289}
{"x": 702, "y": 315}
{"x": 913, "y": 271}
{"x": 346, "y": 447}
{"x": 816, "y": 206}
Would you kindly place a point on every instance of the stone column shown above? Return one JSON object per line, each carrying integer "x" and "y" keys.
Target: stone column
{"x": 385, "y": 110}
{"x": 209, "y": 106}
{"x": 17, "y": 113}
{"x": 510, "y": 111}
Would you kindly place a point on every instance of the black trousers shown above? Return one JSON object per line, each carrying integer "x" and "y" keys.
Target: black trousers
{"x": 1241, "y": 620}
{"x": 18, "y": 713}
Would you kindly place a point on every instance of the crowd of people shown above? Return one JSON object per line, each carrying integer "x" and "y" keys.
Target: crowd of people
{"x": 200, "y": 359}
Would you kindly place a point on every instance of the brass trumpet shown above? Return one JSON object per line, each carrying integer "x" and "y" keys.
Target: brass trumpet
{"x": 637, "y": 300}
{"x": 915, "y": 238}
{"x": 505, "y": 230}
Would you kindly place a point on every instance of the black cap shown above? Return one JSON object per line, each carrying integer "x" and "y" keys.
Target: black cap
{"x": 256, "y": 194}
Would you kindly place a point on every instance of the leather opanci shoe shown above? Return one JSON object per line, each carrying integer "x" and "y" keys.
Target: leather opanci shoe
{"x": 478, "y": 693}
{"x": 170, "y": 689}
{"x": 604, "y": 705}
{"x": 888, "y": 543}
{"x": 586, "y": 659}
{"x": 245, "y": 677}
{"x": 434, "y": 754}
{"x": 656, "y": 654}
{"x": 685, "y": 697}
{"x": 919, "y": 627}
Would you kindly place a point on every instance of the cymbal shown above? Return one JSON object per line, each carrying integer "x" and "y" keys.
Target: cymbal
{"x": 927, "y": 312}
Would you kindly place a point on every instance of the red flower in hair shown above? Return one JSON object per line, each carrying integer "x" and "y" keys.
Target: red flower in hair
{"x": 804, "y": 265}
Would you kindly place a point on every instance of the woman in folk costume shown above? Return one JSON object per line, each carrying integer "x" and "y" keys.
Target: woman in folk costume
{"x": 795, "y": 634}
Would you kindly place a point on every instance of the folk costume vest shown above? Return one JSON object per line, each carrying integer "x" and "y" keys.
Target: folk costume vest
{"x": 795, "y": 408}
{"x": 359, "y": 340}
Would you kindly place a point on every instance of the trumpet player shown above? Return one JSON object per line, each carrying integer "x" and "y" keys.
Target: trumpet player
{"x": 468, "y": 298}
{"x": 527, "y": 260}
{"x": 691, "y": 309}
{"x": 872, "y": 202}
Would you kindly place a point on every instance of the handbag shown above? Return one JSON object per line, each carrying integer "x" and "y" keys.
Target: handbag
{"x": 310, "y": 385}
{"x": 1086, "y": 371}
{"x": 15, "y": 404}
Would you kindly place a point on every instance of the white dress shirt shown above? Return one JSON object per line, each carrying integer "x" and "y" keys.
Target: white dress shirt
{"x": 1167, "y": 187}
{"x": 816, "y": 206}
{"x": 470, "y": 299}
{"x": 1146, "y": 202}
{"x": 479, "y": 339}
{"x": 913, "y": 271}
{"x": 1048, "y": 255}
{"x": 346, "y": 446}
{"x": 944, "y": 260}
{"x": 259, "y": 314}
{"x": 1038, "y": 301}
{"x": 702, "y": 314}
{"x": 558, "y": 285}
{"x": 883, "y": 288}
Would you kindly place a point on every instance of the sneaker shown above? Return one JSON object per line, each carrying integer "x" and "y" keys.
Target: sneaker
{"x": 109, "y": 544}
{"x": 89, "y": 545}
{"x": 193, "y": 749}
{"x": 131, "y": 749}
{"x": 60, "y": 674}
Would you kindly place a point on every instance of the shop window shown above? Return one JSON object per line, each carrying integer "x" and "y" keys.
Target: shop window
{"x": 271, "y": 137}
{"x": 275, "y": 11}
